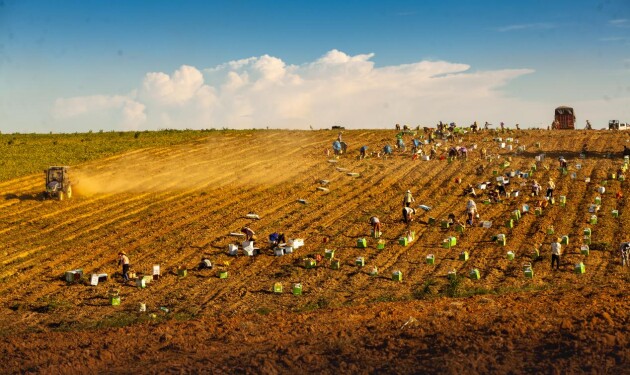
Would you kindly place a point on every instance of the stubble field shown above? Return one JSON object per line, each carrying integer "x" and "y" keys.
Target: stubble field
{"x": 174, "y": 204}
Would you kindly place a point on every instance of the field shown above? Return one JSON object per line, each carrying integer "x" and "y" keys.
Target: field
{"x": 173, "y": 203}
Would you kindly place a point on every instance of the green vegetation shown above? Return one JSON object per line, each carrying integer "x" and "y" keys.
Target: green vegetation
{"x": 24, "y": 154}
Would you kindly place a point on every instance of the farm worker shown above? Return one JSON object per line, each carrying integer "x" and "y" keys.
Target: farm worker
{"x": 619, "y": 195}
{"x": 470, "y": 190}
{"x": 339, "y": 136}
{"x": 205, "y": 264}
{"x": 387, "y": 150}
{"x": 563, "y": 162}
{"x": 407, "y": 213}
{"x": 550, "y": 187}
{"x": 250, "y": 235}
{"x": 53, "y": 185}
{"x": 556, "y": 251}
{"x": 625, "y": 252}
{"x": 124, "y": 260}
{"x": 451, "y": 218}
{"x": 276, "y": 239}
{"x": 336, "y": 147}
{"x": 363, "y": 151}
{"x": 471, "y": 209}
{"x": 536, "y": 188}
{"x": 408, "y": 199}
{"x": 416, "y": 144}
{"x": 401, "y": 144}
{"x": 376, "y": 224}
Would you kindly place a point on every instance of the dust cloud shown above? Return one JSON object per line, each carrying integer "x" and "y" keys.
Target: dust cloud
{"x": 193, "y": 166}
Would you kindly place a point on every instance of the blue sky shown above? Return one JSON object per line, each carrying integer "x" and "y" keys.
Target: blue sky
{"x": 89, "y": 65}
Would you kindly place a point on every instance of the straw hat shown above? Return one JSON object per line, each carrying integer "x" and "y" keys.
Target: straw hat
{"x": 122, "y": 253}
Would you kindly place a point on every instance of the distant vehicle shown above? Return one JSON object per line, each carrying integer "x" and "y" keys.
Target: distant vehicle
{"x": 337, "y": 127}
{"x": 615, "y": 125}
{"x": 564, "y": 118}
{"x": 58, "y": 183}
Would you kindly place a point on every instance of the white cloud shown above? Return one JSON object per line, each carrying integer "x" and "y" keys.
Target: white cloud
{"x": 122, "y": 109}
{"x": 621, "y": 22}
{"x": 527, "y": 26}
{"x": 336, "y": 88}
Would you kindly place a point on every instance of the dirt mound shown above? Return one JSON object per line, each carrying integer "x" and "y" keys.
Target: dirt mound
{"x": 174, "y": 205}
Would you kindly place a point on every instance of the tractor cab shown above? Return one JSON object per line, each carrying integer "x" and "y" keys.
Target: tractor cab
{"x": 58, "y": 184}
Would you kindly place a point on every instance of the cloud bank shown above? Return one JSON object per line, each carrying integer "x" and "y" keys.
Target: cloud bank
{"x": 337, "y": 88}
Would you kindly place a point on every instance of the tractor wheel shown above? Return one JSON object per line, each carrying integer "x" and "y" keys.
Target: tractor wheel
{"x": 61, "y": 195}
{"x": 69, "y": 192}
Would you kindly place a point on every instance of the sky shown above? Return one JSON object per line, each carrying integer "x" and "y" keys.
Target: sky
{"x": 68, "y": 66}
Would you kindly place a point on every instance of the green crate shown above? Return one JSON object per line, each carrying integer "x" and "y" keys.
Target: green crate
{"x": 403, "y": 241}
{"x": 584, "y": 250}
{"x": 538, "y": 211}
{"x": 360, "y": 261}
{"x": 115, "y": 300}
{"x": 297, "y": 289}
{"x": 510, "y": 255}
{"x": 329, "y": 253}
{"x": 615, "y": 213}
{"x": 380, "y": 245}
{"x": 460, "y": 228}
{"x": 580, "y": 268}
{"x": 444, "y": 224}
{"x": 182, "y": 272}
{"x": 516, "y": 215}
{"x": 397, "y": 276}
{"x": 452, "y": 275}
{"x": 509, "y": 223}
{"x": 535, "y": 254}
{"x": 449, "y": 242}
{"x": 551, "y": 230}
{"x": 431, "y": 220}
{"x": 362, "y": 243}
{"x": 529, "y": 273}
{"x": 335, "y": 264}
{"x": 463, "y": 256}
{"x": 587, "y": 231}
{"x": 223, "y": 274}
{"x": 277, "y": 287}
{"x": 587, "y": 240}
{"x": 593, "y": 219}
{"x": 430, "y": 259}
{"x": 310, "y": 263}
{"x": 474, "y": 274}
{"x": 564, "y": 240}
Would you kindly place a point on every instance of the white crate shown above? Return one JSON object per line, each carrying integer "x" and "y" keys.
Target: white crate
{"x": 287, "y": 250}
{"x": 296, "y": 243}
{"x": 232, "y": 249}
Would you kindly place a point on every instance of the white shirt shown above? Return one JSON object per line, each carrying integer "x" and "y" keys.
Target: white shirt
{"x": 556, "y": 248}
{"x": 471, "y": 206}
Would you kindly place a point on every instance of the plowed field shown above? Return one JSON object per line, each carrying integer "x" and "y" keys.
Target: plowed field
{"x": 174, "y": 205}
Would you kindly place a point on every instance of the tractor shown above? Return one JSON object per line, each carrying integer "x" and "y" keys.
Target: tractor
{"x": 58, "y": 183}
